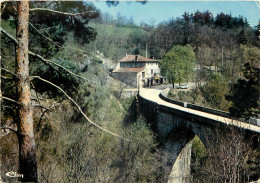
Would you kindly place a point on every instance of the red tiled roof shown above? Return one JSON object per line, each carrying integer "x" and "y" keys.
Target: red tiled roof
{"x": 131, "y": 69}
{"x": 136, "y": 58}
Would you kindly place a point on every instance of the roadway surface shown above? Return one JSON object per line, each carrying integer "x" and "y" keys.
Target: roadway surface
{"x": 153, "y": 95}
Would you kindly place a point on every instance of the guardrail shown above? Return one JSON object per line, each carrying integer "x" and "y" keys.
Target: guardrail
{"x": 195, "y": 107}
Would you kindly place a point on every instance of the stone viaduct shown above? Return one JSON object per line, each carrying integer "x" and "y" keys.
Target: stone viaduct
{"x": 177, "y": 123}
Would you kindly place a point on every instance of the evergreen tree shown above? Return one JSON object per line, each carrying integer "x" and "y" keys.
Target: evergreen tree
{"x": 245, "y": 95}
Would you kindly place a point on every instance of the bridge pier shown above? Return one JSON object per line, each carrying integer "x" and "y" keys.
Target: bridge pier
{"x": 180, "y": 172}
{"x": 177, "y": 150}
{"x": 176, "y": 136}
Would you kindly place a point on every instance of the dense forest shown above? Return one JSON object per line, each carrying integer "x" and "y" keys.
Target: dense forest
{"x": 83, "y": 129}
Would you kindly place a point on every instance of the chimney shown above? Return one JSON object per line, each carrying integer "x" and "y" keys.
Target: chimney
{"x": 126, "y": 54}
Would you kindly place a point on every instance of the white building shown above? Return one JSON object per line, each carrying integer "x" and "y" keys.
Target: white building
{"x": 135, "y": 69}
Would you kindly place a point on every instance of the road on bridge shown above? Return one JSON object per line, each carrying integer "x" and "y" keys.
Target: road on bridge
{"x": 153, "y": 95}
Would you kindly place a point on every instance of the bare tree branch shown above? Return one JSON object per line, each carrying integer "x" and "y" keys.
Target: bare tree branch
{"x": 58, "y": 65}
{"x": 15, "y": 8}
{"x": 12, "y": 130}
{"x": 9, "y": 129}
{"x": 59, "y": 12}
{"x": 79, "y": 108}
{"x": 9, "y": 99}
{"x": 8, "y": 35}
{"x": 7, "y": 78}
{"x": 9, "y": 72}
{"x": 57, "y": 44}
{"x": 39, "y": 123}
{"x": 46, "y": 61}
{"x": 38, "y": 99}
{"x": 41, "y": 106}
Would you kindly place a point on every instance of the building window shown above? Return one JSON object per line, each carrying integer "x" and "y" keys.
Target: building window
{"x": 143, "y": 75}
{"x": 152, "y": 72}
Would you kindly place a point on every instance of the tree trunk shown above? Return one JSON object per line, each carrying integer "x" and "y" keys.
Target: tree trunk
{"x": 172, "y": 80}
{"x": 27, "y": 150}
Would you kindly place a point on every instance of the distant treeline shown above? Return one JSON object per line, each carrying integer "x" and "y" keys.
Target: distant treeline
{"x": 202, "y": 29}
{"x": 219, "y": 36}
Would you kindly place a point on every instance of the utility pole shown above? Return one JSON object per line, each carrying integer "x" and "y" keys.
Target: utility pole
{"x": 146, "y": 50}
{"x": 95, "y": 47}
{"x": 222, "y": 56}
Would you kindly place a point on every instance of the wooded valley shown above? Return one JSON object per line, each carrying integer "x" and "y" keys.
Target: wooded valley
{"x": 63, "y": 118}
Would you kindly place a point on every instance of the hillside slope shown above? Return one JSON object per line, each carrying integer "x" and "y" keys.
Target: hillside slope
{"x": 114, "y": 41}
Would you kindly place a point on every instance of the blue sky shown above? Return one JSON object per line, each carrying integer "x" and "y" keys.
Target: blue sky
{"x": 164, "y": 10}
